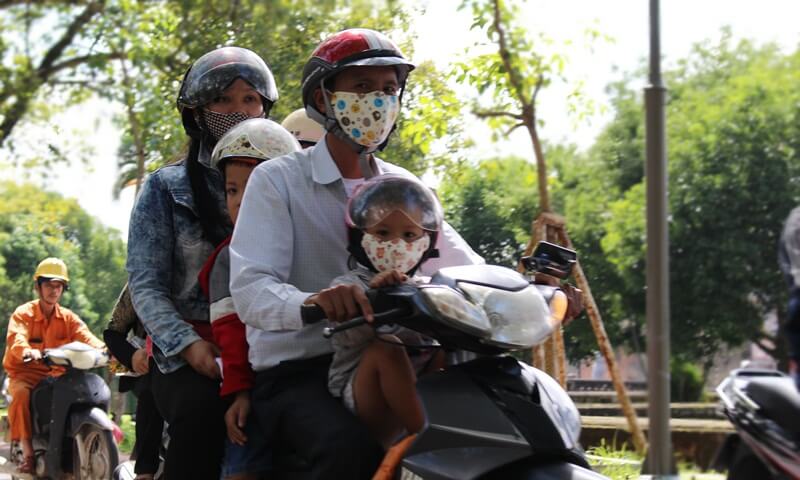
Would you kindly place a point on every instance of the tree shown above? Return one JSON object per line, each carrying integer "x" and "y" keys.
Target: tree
{"x": 490, "y": 207}
{"x": 35, "y": 224}
{"x": 46, "y": 45}
{"x": 733, "y": 134}
{"x": 165, "y": 48}
{"x": 135, "y": 53}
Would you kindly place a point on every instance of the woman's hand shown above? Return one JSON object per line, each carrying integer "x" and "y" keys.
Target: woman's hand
{"x": 342, "y": 302}
{"x": 236, "y": 417}
{"x": 387, "y": 279}
{"x": 139, "y": 361}
{"x": 201, "y": 355}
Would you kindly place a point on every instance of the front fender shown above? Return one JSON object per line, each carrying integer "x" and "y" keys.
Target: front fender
{"x": 94, "y": 416}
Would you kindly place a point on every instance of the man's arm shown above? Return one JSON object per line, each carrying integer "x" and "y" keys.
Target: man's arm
{"x": 453, "y": 251}
{"x": 261, "y": 259}
{"x": 17, "y": 340}
{"x": 78, "y": 331}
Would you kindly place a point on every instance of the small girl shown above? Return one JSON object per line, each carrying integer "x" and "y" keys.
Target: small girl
{"x": 393, "y": 222}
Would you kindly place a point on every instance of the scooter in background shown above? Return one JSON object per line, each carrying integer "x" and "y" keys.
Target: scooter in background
{"x": 72, "y": 433}
{"x": 764, "y": 407}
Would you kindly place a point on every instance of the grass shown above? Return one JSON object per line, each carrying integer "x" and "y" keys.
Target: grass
{"x": 617, "y": 463}
{"x": 621, "y": 463}
{"x": 129, "y": 430}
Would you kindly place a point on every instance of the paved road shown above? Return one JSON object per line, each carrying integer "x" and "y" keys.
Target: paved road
{"x": 4, "y": 455}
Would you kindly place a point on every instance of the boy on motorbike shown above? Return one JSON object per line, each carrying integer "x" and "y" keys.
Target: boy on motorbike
{"x": 33, "y": 327}
{"x": 393, "y": 222}
{"x": 237, "y": 153}
{"x": 307, "y": 131}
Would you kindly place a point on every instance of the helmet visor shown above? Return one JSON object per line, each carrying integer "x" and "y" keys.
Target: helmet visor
{"x": 212, "y": 73}
{"x": 377, "y": 198}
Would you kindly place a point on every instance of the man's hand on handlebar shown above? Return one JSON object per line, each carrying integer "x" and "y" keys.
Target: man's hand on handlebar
{"x": 32, "y": 355}
{"x": 574, "y": 302}
{"x": 574, "y": 295}
{"x": 342, "y": 302}
{"x": 201, "y": 355}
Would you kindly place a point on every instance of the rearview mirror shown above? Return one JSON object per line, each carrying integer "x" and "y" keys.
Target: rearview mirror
{"x": 551, "y": 259}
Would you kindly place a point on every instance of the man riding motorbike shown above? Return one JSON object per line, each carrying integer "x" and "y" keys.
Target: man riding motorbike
{"x": 33, "y": 327}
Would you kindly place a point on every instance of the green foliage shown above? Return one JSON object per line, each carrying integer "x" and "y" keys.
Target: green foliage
{"x": 686, "y": 381}
{"x": 492, "y": 205}
{"x": 128, "y": 427}
{"x": 617, "y": 463}
{"x": 284, "y": 33}
{"x": 733, "y": 162}
{"x": 35, "y": 224}
{"x": 733, "y": 137}
{"x": 139, "y": 51}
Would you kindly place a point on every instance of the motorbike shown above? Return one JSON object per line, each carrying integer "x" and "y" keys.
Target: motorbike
{"x": 493, "y": 416}
{"x": 72, "y": 433}
{"x": 764, "y": 407}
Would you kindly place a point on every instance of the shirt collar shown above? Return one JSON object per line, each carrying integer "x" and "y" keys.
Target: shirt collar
{"x": 323, "y": 169}
{"x": 39, "y": 314}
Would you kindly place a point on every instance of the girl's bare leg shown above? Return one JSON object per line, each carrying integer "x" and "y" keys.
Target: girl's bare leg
{"x": 385, "y": 391}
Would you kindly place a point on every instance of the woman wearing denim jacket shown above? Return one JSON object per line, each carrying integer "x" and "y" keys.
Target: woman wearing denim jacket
{"x": 177, "y": 221}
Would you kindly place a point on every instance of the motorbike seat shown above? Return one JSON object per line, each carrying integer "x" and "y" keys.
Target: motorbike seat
{"x": 779, "y": 400}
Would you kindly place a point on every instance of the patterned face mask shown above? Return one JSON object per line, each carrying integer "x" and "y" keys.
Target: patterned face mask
{"x": 367, "y": 118}
{"x": 219, "y": 123}
{"x": 396, "y": 254}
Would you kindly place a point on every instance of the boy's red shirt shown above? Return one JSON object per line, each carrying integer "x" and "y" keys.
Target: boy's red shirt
{"x": 229, "y": 333}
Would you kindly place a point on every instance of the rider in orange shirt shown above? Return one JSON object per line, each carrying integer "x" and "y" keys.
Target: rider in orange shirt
{"x": 33, "y": 327}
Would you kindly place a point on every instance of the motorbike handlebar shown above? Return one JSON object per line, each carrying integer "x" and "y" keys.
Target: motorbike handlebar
{"x": 381, "y": 318}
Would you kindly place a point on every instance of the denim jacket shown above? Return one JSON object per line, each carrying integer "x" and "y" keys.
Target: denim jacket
{"x": 166, "y": 250}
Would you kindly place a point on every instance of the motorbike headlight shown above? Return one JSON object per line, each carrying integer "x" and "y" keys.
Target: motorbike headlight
{"x": 519, "y": 319}
{"x": 455, "y": 310}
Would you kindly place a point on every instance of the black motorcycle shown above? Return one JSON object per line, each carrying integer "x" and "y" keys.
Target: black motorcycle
{"x": 764, "y": 406}
{"x": 494, "y": 416}
{"x": 72, "y": 433}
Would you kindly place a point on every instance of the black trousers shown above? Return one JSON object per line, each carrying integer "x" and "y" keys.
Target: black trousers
{"x": 295, "y": 409}
{"x": 149, "y": 427}
{"x": 191, "y": 405}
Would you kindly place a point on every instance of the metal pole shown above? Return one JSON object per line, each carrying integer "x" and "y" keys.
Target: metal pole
{"x": 660, "y": 463}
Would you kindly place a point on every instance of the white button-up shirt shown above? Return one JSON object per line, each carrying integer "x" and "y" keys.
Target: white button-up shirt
{"x": 290, "y": 242}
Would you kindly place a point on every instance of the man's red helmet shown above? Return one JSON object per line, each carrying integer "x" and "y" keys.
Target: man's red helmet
{"x": 349, "y": 48}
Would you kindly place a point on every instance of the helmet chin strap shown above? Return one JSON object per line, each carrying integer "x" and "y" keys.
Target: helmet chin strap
{"x": 332, "y": 126}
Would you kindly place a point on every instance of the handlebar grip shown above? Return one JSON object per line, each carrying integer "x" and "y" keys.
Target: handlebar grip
{"x": 311, "y": 313}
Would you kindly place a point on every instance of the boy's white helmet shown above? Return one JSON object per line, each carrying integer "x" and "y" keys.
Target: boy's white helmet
{"x": 302, "y": 127}
{"x": 258, "y": 139}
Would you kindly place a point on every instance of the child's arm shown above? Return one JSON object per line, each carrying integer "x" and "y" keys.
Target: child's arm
{"x": 230, "y": 337}
{"x": 229, "y": 332}
{"x": 236, "y": 417}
